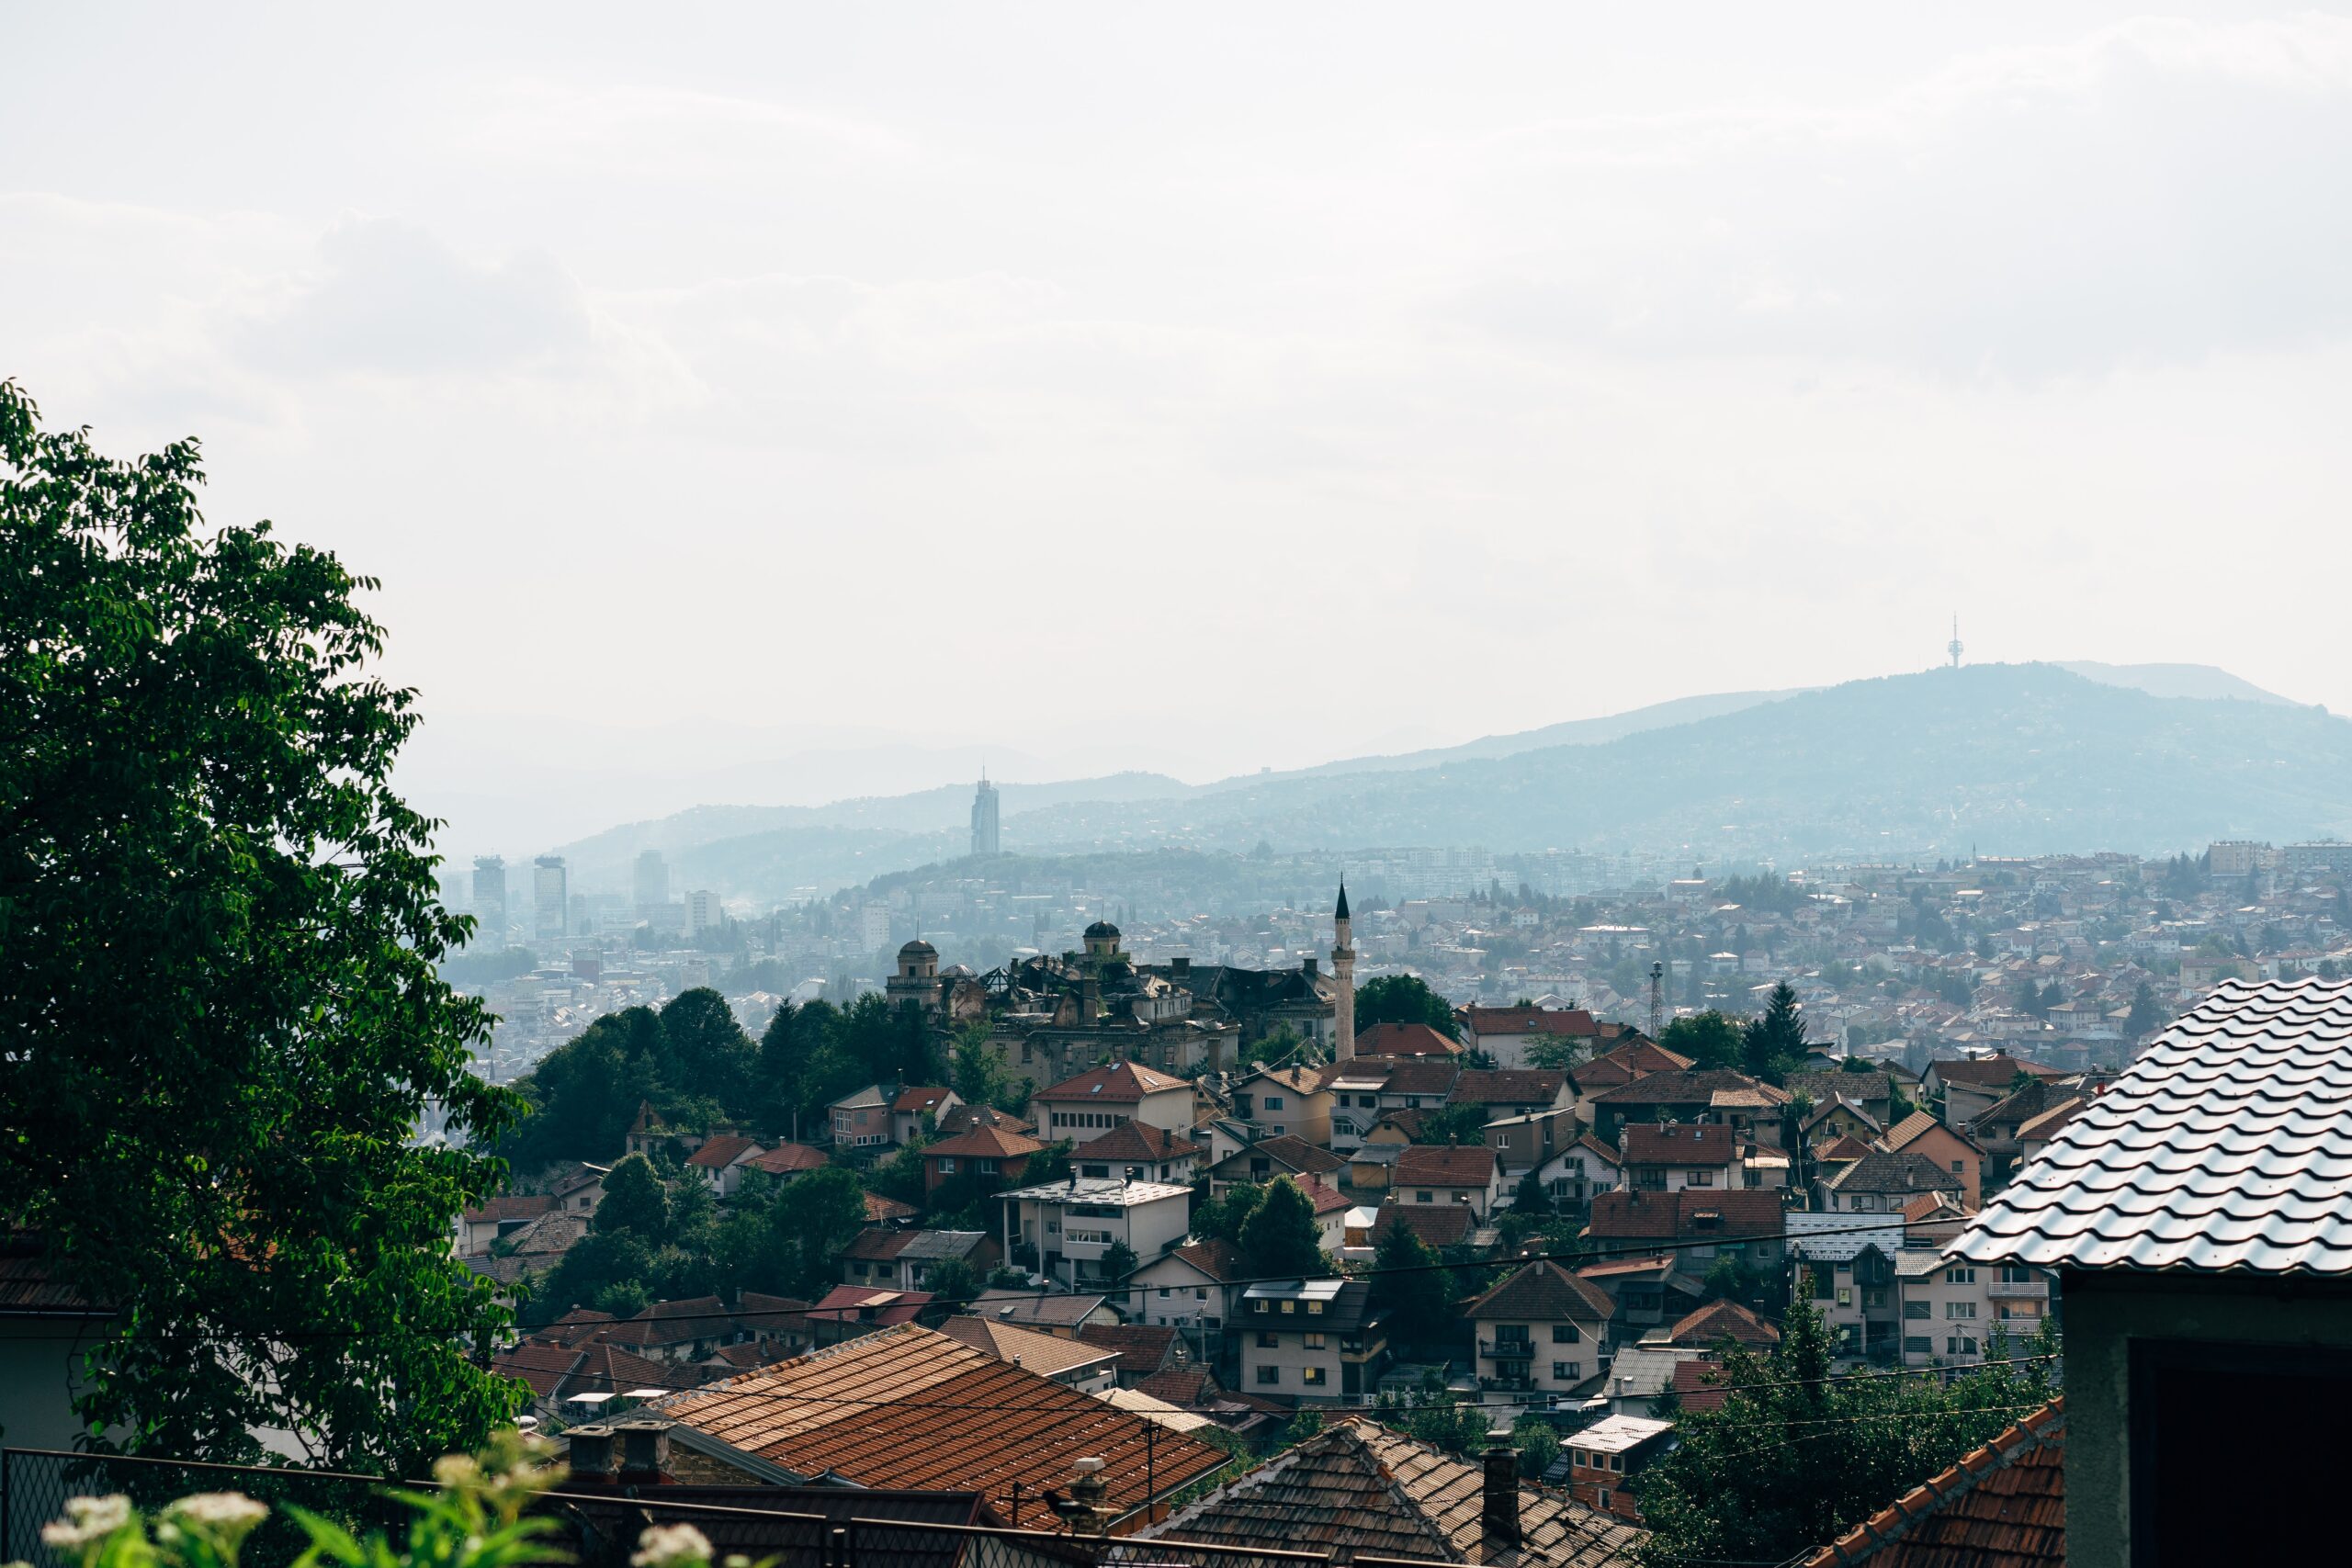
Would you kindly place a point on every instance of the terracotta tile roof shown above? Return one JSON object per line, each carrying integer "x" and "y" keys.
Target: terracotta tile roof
{"x": 1693, "y": 1143}
{"x": 1142, "y": 1349}
{"x": 1722, "y": 1320}
{"x": 877, "y": 1246}
{"x": 2226, "y": 1145}
{"x": 906, "y": 1407}
{"x": 722, "y": 1151}
{"x": 1047, "y": 1355}
{"x": 1437, "y": 1224}
{"x": 1441, "y": 1165}
{"x": 1568, "y": 1023}
{"x": 671, "y": 1322}
{"x": 788, "y": 1159}
{"x": 576, "y": 1326}
{"x": 1220, "y": 1261}
{"x": 1403, "y": 1040}
{"x": 2047, "y": 1124}
{"x": 1325, "y": 1197}
{"x": 964, "y": 1118}
{"x": 519, "y": 1206}
{"x": 1689, "y": 1088}
{"x": 541, "y": 1366}
{"x": 1291, "y": 1152}
{"x": 1988, "y": 1072}
{"x": 1695, "y": 1385}
{"x": 1125, "y": 1082}
{"x": 1683, "y": 1215}
{"x": 1135, "y": 1141}
{"x": 1635, "y": 1059}
{"x": 1542, "y": 1292}
{"x": 853, "y": 1304}
{"x": 1847, "y": 1147}
{"x": 917, "y": 1098}
{"x": 1509, "y": 1085}
{"x": 1593, "y": 1145}
{"x": 1358, "y": 1488}
{"x": 985, "y": 1142}
{"x": 2003, "y": 1506}
{"x": 879, "y": 1208}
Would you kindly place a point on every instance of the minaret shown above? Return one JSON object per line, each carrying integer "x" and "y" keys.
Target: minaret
{"x": 1343, "y": 974}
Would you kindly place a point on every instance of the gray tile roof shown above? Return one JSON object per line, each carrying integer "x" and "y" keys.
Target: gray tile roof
{"x": 2227, "y": 1146}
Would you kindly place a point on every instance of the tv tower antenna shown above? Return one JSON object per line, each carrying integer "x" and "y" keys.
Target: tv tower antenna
{"x": 1657, "y": 998}
{"x": 1954, "y": 646}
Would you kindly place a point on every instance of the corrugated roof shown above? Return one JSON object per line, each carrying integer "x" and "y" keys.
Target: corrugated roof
{"x": 2225, "y": 1147}
{"x": 906, "y": 1407}
{"x": 2003, "y": 1506}
{"x": 1358, "y": 1488}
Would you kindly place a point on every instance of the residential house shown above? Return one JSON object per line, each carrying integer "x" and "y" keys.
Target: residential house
{"x": 1709, "y": 1095}
{"x": 496, "y": 1218}
{"x": 1539, "y": 1332}
{"x": 914, "y": 1106}
{"x": 1138, "y": 1351}
{"x": 680, "y": 1331}
{"x": 2035, "y": 1135}
{"x": 1506, "y": 1033}
{"x": 1440, "y": 1173}
{"x": 2194, "y": 1213}
{"x": 1953, "y": 1312}
{"x": 1358, "y": 1491}
{"x": 1063, "y": 1316}
{"x": 1882, "y": 1183}
{"x": 571, "y": 1382}
{"x": 1709, "y": 1327}
{"x": 720, "y": 1162}
{"x": 1650, "y": 1292}
{"x": 1606, "y": 1461}
{"x": 1668, "y": 1157}
{"x": 2004, "y": 1504}
{"x": 1293, "y": 1100}
{"x": 579, "y": 1189}
{"x": 1521, "y": 1143}
{"x": 1858, "y": 1300}
{"x": 788, "y": 1162}
{"x": 1972, "y": 1086}
{"x": 1921, "y": 1133}
{"x": 852, "y": 1311}
{"x": 989, "y": 1154}
{"x": 1270, "y": 1157}
{"x": 1403, "y": 1040}
{"x": 1641, "y": 1379}
{"x": 1748, "y": 1227}
{"x": 1189, "y": 1289}
{"x": 1139, "y": 1150}
{"x": 903, "y": 1260}
{"x": 648, "y": 1132}
{"x": 1831, "y": 1120}
{"x": 1582, "y": 1172}
{"x": 844, "y": 1413}
{"x": 861, "y": 1120}
{"x": 1873, "y": 1091}
{"x": 1095, "y": 1102}
{"x": 1068, "y": 1228}
{"x": 1312, "y": 1341}
{"x": 1072, "y": 1363}
{"x": 1519, "y": 1091}
{"x": 1621, "y": 1065}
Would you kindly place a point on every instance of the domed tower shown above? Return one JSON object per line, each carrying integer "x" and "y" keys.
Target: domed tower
{"x": 1101, "y": 941}
{"x": 918, "y": 978}
{"x": 1343, "y": 981}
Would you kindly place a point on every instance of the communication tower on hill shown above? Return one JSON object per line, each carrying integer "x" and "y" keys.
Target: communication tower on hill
{"x": 1953, "y": 647}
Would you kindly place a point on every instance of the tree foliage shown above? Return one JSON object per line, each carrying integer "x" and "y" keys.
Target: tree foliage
{"x": 1279, "y": 1238}
{"x": 635, "y": 1202}
{"x": 1409, "y": 1283}
{"x": 1404, "y": 999}
{"x": 1792, "y": 1459}
{"x": 1459, "y": 1125}
{"x": 1710, "y": 1039}
{"x": 221, "y": 1001}
{"x": 1773, "y": 1046}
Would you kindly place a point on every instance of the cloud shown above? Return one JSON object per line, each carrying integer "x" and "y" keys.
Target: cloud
{"x": 2153, "y": 193}
{"x": 387, "y": 298}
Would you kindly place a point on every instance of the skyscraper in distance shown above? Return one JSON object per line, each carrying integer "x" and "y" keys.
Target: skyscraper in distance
{"x": 490, "y": 901}
{"x": 650, "y": 883}
{"x": 550, "y": 898}
{"x": 984, "y": 833}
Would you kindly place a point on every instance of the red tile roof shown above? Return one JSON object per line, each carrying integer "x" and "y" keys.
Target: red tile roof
{"x": 1327, "y": 1200}
{"x": 906, "y": 1408}
{"x": 2003, "y": 1506}
{"x": 1119, "y": 1082}
{"x": 671, "y": 1322}
{"x": 1696, "y": 1143}
{"x": 519, "y": 1206}
{"x": 720, "y": 1152}
{"x": 1436, "y": 1225}
{"x": 1440, "y": 1165}
{"x": 1220, "y": 1261}
{"x": 1292, "y": 1153}
{"x": 851, "y": 1303}
{"x": 1542, "y": 1292}
{"x": 1722, "y": 1320}
{"x": 1509, "y": 1085}
{"x": 1135, "y": 1141}
{"x": 1403, "y": 1040}
{"x": 1695, "y": 1385}
{"x": 917, "y": 1098}
{"x": 1569, "y": 1023}
{"x": 788, "y": 1159}
{"x": 1142, "y": 1349}
{"x": 879, "y": 1208}
{"x": 985, "y": 1142}
{"x": 1684, "y": 1215}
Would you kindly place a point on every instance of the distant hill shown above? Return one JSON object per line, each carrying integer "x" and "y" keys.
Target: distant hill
{"x": 2202, "y": 682}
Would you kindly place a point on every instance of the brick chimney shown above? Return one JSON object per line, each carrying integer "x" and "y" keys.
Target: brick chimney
{"x": 590, "y": 1452}
{"x": 645, "y": 1451}
{"x": 1499, "y": 1516}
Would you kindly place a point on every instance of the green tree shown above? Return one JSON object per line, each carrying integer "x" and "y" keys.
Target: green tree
{"x": 1119, "y": 1260}
{"x": 1221, "y": 1219}
{"x": 977, "y": 1073}
{"x": 1557, "y": 1051}
{"x": 634, "y": 1202}
{"x": 952, "y": 1280}
{"x": 222, "y": 929}
{"x": 1538, "y": 1443}
{"x": 1404, "y": 999}
{"x": 1279, "y": 1239}
{"x": 1461, "y": 1125}
{"x": 2148, "y": 1014}
{"x": 1711, "y": 1040}
{"x": 890, "y": 1044}
{"x": 815, "y": 1217}
{"x": 1773, "y": 1046}
{"x": 708, "y": 1056}
{"x": 1411, "y": 1285}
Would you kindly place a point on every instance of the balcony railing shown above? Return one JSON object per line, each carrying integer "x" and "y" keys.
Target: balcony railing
{"x": 1507, "y": 1350}
{"x": 2020, "y": 1290}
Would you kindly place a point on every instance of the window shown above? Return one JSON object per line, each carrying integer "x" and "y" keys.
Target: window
{"x": 2012, "y": 1275}
{"x": 947, "y": 1165}
{"x": 1200, "y": 1292}
{"x": 1311, "y": 1376}
{"x": 1698, "y": 1178}
{"x": 1959, "y": 1346}
{"x": 1270, "y": 1374}
{"x": 1567, "y": 1334}
{"x": 1918, "y": 1345}
{"x": 1257, "y": 1306}
{"x": 1510, "y": 1333}
{"x": 1956, "y": 1170}
{"x": 1959, "y": 1311}
{"x": 1422, "y": 1195}
{"x": 986, "y": 1166}
{"x": 1315, "y": 1309}
{"x": 1576, "y": 1456}
{"x": 1315, "y": 1342}
{"x": 1566, "y": 1371}
{"x": 1163, "y": 1292}
{"x": 1604, "y": 1498}
{"x": 1273, "y": 1102}
{"x": 1268, "y": 1339}
{"x": 1289, "y": 1307}
{"x": 1917, "y": 1309}
{"x": 1412, "y": 1102}
{"x": 1960, "y": 1276}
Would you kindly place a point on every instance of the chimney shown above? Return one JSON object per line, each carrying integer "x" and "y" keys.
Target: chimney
{"x": 645, "y": 1450}
{"x": 591, "y": 1455}
{"x": 1498, "y": 1519}
{"x": 1306, "y": 965}
{"x": 1180, "y": 967}
{"x": 1087, "y": 1491}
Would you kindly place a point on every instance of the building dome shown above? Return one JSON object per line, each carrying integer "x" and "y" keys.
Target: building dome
{"x": 1101, "y": 930}
{"x": 918, "y": 949}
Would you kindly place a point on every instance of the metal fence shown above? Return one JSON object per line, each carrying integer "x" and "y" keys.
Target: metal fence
{"x": 601, "y": 1528}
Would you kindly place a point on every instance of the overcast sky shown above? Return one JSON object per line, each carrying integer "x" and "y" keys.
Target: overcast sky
{"x": 1204, "y": 388}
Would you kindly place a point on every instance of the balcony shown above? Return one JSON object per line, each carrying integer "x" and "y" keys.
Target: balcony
{"x": 1506, "y": 1350}
{"x": 2020, "y": 1289}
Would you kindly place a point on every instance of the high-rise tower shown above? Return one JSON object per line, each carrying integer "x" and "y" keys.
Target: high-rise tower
{"x": 984, "y": 834}
{"x": 550, "y": 891}
{"x": 490, "y": 901}
{"x": 1953, "y": 647}
{"x": 1343, "y": 977}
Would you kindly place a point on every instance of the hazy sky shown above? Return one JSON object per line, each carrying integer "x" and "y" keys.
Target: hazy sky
{"x": 1205, "y": 387}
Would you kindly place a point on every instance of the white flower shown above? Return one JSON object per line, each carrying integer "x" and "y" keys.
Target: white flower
{"x": 220, "y": 1510}
{"x": 456, "y": 1470}
{"x": 665, "y": 1544}
{"x": 91, "y": 1519}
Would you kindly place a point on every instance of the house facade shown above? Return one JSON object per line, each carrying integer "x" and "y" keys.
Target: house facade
{"x": 1538, "y": 1334}
{"x": 1311, "y": 1341}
